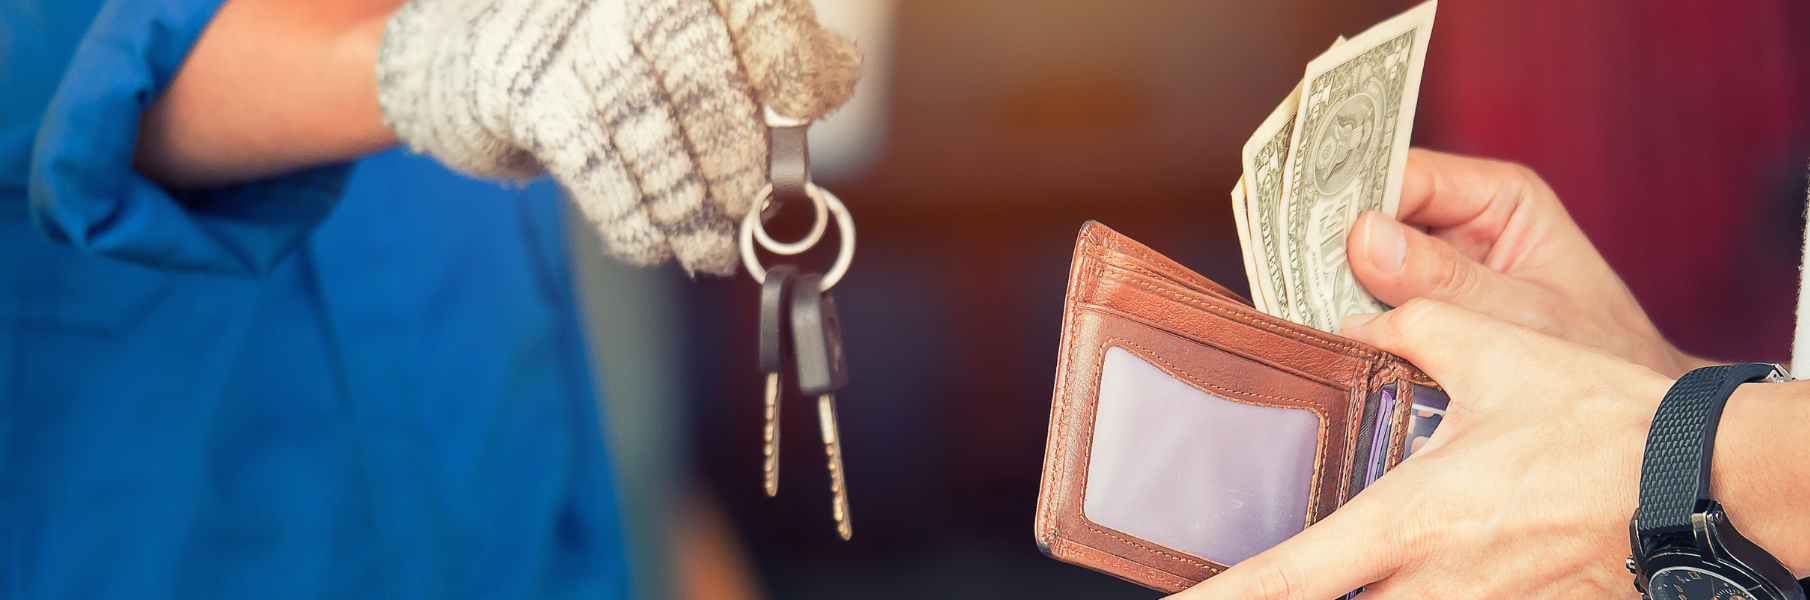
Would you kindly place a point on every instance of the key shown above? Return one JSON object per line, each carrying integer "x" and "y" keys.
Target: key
{"x": 817, "y": 349}
{"x": 775, "y": 334}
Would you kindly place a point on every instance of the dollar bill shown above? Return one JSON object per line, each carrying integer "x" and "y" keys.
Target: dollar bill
{"x": 1350, "y": 140}
{"x": 1259, "y": 211}
{"x": 1265, "y": 157}
{"x": 1244, "y": 236}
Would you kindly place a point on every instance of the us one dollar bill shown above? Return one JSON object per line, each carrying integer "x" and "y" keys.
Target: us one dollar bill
{"x": 1265, "y": 161}
{"x": 1334, "y": 149}
{"x": 1244, "y": 233}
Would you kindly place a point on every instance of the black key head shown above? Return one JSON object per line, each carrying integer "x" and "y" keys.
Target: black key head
{"x": 817, "y": 338}
{"x": 775, "y": 326}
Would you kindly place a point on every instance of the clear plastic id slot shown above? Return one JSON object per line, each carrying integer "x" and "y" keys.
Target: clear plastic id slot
{"x": 1178, "y": 466}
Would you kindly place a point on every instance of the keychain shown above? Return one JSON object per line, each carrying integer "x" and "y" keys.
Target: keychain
{"x": 797, "y": 313}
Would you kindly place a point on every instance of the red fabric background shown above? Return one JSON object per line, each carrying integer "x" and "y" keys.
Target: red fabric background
{"x": 1674, "y": 131}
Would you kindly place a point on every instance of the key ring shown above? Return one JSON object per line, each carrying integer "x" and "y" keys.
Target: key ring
{"x": 844, "y": 223}
{"x": 821, "y": 223}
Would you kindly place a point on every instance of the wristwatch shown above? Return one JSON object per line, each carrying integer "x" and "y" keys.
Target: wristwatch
{"x": 1684, "y": 546}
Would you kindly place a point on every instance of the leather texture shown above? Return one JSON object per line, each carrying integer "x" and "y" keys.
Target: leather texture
{"x": 1122, "y": 294}
{"x": 788, "y": 164}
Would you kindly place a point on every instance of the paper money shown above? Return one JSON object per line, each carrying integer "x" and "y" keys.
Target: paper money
{"x": 1244, "y": 234}
{"x": 1346, "y": 155}
{"x": 1265, "y": 156}
{"x": 1259, "y": 212}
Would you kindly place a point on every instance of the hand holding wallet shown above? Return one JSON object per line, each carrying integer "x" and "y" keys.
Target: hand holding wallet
{"x": 1190, "y": 431}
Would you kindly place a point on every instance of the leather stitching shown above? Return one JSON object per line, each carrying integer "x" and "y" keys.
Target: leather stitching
{"x": 1313, "y": 490}
{"x": 1073, "y": 316}
{"x": 1354, "y": 404}
{"x": 1230, "y": 348}
{"x": 1398, "y": 442}
{"x": 1356, "y": 350}
{"x": 1179, "y": 582}
{"x": 1174, "y": 370}
{"x": 1159, "y": 271}
{"x": 1150, "y": 257}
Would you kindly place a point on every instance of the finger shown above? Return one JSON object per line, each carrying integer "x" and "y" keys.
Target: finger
{"x": 1443, "y": 190}
{"x": 1348, "y": 549}
{"x": 606, "y": 153}
{"x": 698, "y": 78}
{"x": 1397, "y": 263}
{"x": 794, "y": 65}
{"x": 1454, "y": 346}
{"x": 633, "y": 106}
{"x": 1467, "y": 201}
{"x": 689, "y": 49}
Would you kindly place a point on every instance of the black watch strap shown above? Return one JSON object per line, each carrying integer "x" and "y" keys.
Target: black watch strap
{"x": 1675, "y": 474}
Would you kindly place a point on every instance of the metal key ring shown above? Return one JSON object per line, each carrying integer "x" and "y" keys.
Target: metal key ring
{"x": 822, "y": 222}
{"x": 845, "y": 255}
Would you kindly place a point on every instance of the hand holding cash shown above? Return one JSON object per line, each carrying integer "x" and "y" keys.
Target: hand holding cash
{"x": 1531, "y": 475}
{"x": 1333, "y": 150}
{"x": 1328, "y": 174}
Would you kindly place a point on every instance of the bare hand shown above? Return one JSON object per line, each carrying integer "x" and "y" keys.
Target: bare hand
{"x": 1524, "y": 491}
{"x": 1491, "y": 237}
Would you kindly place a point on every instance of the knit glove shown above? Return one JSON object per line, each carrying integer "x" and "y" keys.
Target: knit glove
{"x": 647, "y": 111}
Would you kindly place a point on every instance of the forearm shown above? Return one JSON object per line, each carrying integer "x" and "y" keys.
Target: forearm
{"x": 1761, "y": 473}
{"x": 271, "y": 86}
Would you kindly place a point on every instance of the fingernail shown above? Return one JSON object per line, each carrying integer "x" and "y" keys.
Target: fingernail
{"x": 1357, "y": 320}
{"x": 1388, "y": 247}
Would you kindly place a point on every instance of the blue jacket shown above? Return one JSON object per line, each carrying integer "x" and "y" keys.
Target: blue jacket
{"x": 361, "y": 381}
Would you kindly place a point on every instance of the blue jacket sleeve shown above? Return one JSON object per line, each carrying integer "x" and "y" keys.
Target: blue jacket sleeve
{"x": 83, "y": 188}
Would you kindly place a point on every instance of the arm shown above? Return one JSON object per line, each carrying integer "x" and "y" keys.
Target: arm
{"x": 270, "y": 87}
{"x": 1762, "y": 468}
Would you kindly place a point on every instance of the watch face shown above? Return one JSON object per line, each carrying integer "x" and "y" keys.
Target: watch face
{"x": 1685, "y": 583}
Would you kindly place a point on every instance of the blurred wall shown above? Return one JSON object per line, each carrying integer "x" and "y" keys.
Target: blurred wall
{"x": 1675, "y": 131}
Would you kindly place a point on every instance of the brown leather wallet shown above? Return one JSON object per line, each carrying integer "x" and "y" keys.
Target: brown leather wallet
{"x": 1190, "y": 431}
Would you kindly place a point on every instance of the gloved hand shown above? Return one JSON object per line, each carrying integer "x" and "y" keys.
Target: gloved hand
{"x": 647, "y": 111}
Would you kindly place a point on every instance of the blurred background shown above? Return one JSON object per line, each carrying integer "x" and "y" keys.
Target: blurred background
{"x": 986, "y": 131}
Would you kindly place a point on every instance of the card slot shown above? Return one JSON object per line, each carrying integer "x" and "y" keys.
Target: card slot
{"x": 1405, "y": 414}
{"x": 1213, "y": 321}
{"x": 1111, "y": 278}
{"x": 1195, "y": 471}
{"x": 1195, "y": 337}
{"x": 1364, "y": 449}
{"x": 1223, "y": 369}
{"x": 1229, "y": 375}
{"x": 1132, "y": 256}
{"x": 1423, "y": 417}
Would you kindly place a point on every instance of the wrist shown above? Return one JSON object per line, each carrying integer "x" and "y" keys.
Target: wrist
{"x": 1673, "y": 362}
{"x": 268, "y": 88}
{"x": 1761, "y": 465}
{"x": 1685, "y": 363}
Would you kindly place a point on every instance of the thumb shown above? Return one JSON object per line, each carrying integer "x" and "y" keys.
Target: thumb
{"x": 1454, "y": 346}
{"x": 1397, "y": 263}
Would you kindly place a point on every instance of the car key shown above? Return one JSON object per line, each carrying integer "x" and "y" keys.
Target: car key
{"x": 775, "y": 335}
{"x": 817, "y": 349}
